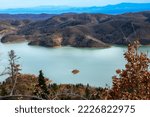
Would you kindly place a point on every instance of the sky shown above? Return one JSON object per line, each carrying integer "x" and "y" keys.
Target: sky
{"x": 5, "y": 4}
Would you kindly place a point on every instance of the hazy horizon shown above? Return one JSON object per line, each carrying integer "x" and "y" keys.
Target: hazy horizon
{"x": 73, "y": 3}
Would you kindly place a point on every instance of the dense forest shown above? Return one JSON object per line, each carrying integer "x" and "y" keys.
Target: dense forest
{"x": 131, "y": 83}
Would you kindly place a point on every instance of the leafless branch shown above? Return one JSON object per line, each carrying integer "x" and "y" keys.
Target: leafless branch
{"x": 4, "y": 72}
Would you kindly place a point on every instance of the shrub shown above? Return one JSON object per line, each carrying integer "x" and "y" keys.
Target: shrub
{"x": 134, "y": 81}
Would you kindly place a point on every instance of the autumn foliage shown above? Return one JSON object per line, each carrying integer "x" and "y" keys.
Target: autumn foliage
{"x": 133, "y": 82}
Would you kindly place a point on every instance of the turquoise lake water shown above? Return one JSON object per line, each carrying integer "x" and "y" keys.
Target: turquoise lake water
{"x": 96, "y": 66}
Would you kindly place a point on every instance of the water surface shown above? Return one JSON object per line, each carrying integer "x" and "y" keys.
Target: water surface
{"x": 97, "y": 66}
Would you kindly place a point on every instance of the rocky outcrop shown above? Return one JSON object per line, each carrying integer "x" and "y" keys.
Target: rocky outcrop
{"x": 58, "y": 40}
{"x": 54, "y": 40}
{"x": 13, "y": 38}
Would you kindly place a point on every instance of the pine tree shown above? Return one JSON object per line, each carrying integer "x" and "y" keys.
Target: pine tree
{"x": 41, "y": 88}
{"x": 42, "y": 83}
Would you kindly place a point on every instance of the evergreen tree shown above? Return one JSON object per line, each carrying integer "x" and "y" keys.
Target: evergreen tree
{"x": 41, "y": 89}
{"x": 42, "y": 83}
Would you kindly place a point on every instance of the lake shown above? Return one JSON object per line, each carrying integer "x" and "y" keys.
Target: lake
{"x": 96, "y": 66}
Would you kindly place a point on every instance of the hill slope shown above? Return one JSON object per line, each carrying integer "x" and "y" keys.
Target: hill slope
{"x": 32, "y": 17}
{"x": 87, "y": 30}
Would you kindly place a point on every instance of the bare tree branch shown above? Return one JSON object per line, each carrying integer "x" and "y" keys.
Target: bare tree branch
{"x": 4, "y": 72}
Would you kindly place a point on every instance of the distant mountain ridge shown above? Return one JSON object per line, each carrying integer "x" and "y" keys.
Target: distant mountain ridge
{"x": 109, "y": 9}
{"x": 33, "y": 17}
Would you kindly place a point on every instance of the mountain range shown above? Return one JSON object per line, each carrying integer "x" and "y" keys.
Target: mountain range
{"x": 109, "y": 9}
{"x": 80, "y": 30}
